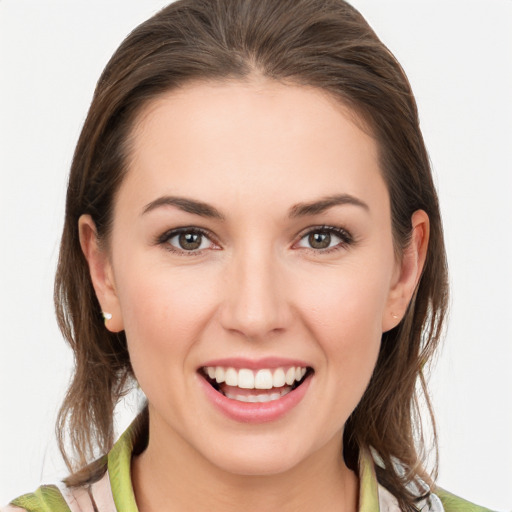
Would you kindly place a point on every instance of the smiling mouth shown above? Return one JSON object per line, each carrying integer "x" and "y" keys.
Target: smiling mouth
{"x": 255, "y": 386}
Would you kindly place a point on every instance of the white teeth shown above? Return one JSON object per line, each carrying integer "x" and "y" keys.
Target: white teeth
{"x": 261, "y": 379}
{"x": 219, "y": 374}
{"x": 278, "y": 379}
{"x": 262, "y": 398}
{"x": 231, "y": 377}
{"x": 245, "y": 379}
{"x": 290, "y": 376}
{"x": 265, "y": 398}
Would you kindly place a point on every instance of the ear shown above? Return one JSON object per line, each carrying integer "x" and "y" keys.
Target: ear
{"x": 408, "y": 272}
{"x": 102, "y": 275}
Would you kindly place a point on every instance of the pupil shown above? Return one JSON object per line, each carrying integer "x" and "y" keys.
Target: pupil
{"x": 319, "y": 240}
{"x": 190, "y": 241}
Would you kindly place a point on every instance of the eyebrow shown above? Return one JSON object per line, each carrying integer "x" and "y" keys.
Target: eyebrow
{"x": 187, "y": 205}
{"x": 298, "y": 210}
{"x": 320, "y": 206}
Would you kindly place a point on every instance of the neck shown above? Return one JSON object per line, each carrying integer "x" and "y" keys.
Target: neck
{"x": 171, "y": 476}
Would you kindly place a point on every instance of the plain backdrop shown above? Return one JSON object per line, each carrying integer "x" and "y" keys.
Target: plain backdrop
{"x": 458, "y": 56}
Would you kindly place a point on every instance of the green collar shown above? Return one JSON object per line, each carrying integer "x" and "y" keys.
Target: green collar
{"x": 49, "y": 497}
{"x": 119, "y": 472}
{"x": 119, "y": 469}
{"x": 368, "y": 485}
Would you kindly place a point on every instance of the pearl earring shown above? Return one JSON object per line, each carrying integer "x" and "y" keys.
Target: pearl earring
{"x": 106, "y": 316}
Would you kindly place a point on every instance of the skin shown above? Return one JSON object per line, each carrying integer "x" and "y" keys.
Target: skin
{"x": 256, "y": 288}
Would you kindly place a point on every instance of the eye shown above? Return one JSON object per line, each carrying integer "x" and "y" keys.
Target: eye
{"x": 325, "y": 238}
{"x": 189, "y": 240}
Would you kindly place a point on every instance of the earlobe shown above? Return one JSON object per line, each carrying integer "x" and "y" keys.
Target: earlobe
{"x": 101, "y": 272}
{"x": 409, "y": 272}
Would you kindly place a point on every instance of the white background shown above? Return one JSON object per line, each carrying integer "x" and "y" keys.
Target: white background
{"x": 458, "y": 56}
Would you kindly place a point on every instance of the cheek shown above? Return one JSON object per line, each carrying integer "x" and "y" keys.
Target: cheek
{"x": 164, "y": 310}
{"x": 344, "y": 315}
{"x": 346, "y": 305}
{"x": 350, "y": 336}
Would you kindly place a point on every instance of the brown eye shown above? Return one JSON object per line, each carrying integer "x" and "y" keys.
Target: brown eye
{"x": 319, "y": 240}
{"x": 186, "y": 240}
{"x": 324, "y": 239}
{"x": 190, "y": 241}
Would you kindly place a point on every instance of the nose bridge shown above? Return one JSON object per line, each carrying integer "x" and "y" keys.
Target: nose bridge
{"x": 255, "y": 304}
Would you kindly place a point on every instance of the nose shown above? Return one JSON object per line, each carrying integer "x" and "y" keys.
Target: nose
{"x": 255, "y": 303}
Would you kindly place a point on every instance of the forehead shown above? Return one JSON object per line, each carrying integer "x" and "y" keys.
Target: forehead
{"x": 252, "y": 139}
{"x": 257, "y": 101}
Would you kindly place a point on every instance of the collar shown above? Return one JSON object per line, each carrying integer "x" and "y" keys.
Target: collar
{"x": 119, "y": 470}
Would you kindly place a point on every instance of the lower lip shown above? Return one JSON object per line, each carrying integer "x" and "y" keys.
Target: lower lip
{"x": 246, "y": 412}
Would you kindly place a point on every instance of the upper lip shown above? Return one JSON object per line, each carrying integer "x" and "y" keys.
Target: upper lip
{"x": 256, "y": 364}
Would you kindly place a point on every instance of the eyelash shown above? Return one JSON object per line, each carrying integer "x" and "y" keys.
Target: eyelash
{"x": 345, "y": 237}
{"x": 168, "y": 235}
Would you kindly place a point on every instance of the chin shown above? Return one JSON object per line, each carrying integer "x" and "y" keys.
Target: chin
{"x": 261, "y": 454}
{"x": 274, "y": 462}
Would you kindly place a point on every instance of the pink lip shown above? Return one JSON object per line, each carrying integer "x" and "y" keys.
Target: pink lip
{"x": 255, "y": 364}
{"x": 255, "y": 412}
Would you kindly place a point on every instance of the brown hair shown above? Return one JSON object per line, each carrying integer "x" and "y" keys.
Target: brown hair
{"x": 325, "y": 44}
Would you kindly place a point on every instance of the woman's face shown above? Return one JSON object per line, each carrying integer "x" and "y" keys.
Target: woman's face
{"x": 251, "y": 244}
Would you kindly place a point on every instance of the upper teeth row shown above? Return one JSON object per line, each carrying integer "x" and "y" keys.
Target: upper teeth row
{"x": 260, "y": 379}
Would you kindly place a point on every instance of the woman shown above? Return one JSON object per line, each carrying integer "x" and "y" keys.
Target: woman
{"x": 252, "y": 234}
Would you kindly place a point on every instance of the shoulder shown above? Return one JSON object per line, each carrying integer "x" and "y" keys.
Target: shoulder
{"x": 51, "y": 498}
{"x": 440, "y": 501}
{"x": 11, "y": 508}
{"x": 45, "y": 498}
{"x": 96, "y": 493}
{"x": 453, "y": 503}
